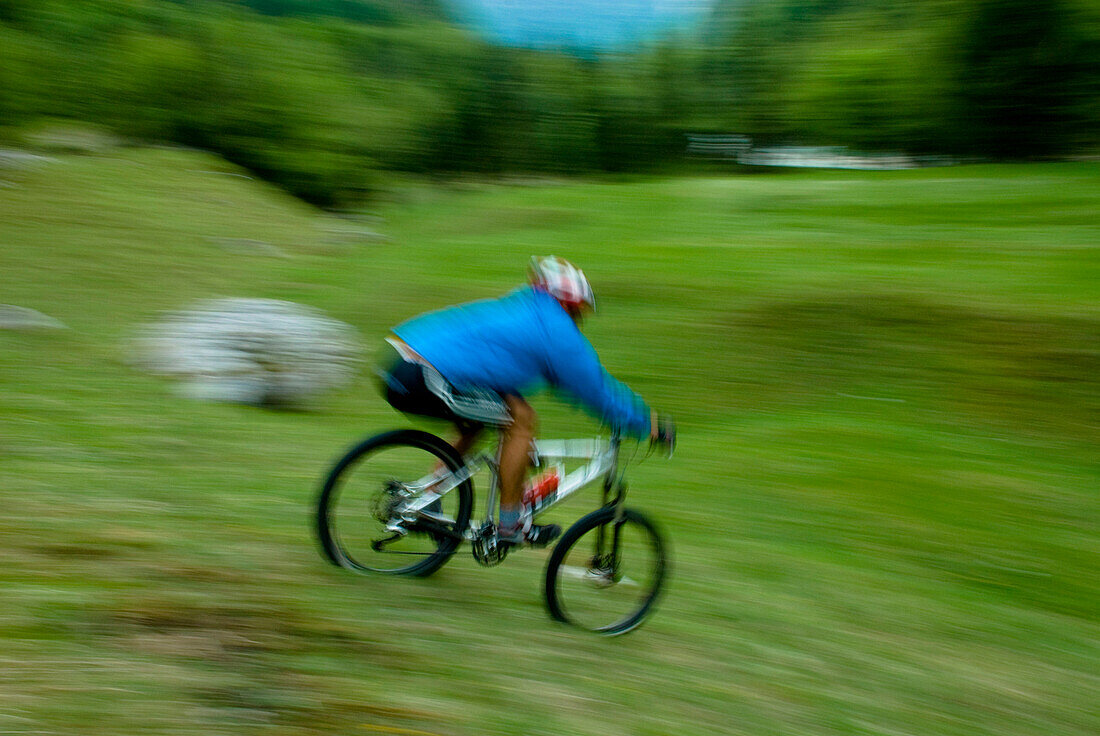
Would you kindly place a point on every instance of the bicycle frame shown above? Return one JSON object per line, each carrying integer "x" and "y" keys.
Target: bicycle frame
{"x": 603, "y": 461}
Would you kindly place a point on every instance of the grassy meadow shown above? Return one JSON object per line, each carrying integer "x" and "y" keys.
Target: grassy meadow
{"x": 883, "y": 510}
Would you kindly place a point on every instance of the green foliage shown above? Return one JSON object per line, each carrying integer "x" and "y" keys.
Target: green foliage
{"x": 319, "y": 96}
{"x": 1024, "y": 72}
{"x": 987, "y": 77}
{"x": 17, "y": 61}
{"x": 322, "y": 95}
{"x": 274, "y": 95}
{"x": 869, "y": 96}
{"x": 361, "y": 11}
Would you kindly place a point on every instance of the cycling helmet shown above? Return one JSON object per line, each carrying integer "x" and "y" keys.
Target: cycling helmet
{"x": 562, "y": 280}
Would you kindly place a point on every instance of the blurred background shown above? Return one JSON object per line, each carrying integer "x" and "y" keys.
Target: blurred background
{"x": 321, "y": 96}
{"x": 851, "y": 245}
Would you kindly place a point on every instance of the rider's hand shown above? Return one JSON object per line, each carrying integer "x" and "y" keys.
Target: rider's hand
{"x": 662, "y": 432}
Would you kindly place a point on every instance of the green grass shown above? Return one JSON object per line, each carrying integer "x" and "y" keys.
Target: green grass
{"x": 883, "y": 510}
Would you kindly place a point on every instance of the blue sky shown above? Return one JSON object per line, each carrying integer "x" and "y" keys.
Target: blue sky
{"x": 583, "y": 23}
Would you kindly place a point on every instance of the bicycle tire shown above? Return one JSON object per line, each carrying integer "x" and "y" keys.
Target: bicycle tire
{"x": 337, "y": 547}
{"x": 572, "y": 574}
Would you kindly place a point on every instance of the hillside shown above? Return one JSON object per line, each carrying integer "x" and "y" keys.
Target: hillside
{"x": 882, "y": 510}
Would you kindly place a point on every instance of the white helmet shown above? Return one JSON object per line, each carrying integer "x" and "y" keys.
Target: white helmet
{"x": 562, "y": 280}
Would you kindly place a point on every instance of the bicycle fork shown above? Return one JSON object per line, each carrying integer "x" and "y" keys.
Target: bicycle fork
{"x": 605, "y": 558}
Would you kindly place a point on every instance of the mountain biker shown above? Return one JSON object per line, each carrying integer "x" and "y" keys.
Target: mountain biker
{"x": 472, "y": 364}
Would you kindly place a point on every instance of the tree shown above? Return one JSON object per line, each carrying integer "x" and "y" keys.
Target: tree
{"x": 1025, "y": 73}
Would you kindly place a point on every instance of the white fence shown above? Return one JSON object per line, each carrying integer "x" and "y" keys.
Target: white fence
{"x": 739, "y": 149}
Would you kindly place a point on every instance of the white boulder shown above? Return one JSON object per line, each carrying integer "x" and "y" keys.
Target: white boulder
{"x": 263, "y": 352}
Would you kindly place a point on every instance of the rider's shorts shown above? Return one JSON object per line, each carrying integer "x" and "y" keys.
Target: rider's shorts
{"x": 413, "y": 386}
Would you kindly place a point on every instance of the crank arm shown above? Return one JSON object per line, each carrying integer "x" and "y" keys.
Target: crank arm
{"x": 378, "y": 544}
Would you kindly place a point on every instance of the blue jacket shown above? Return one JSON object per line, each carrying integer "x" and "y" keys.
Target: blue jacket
{"x": 518, "y": 343}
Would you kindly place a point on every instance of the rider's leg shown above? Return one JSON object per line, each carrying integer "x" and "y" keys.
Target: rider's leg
{"x": 468, "y": 434}
{"x": 515, "y": 455}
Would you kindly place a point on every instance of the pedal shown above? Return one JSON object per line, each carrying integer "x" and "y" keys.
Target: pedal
{"x": 486, "y": 549}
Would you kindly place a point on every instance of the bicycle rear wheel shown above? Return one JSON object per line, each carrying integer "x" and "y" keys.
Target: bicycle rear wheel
{"x": 358, "y": 512}
{"x": 606, "y": 572}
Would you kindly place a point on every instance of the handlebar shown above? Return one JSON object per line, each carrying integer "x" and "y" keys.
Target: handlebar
{"x": 666, "y": 434}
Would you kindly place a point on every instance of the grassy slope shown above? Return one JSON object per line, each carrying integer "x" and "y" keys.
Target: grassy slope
{"x": 884, "y": 509}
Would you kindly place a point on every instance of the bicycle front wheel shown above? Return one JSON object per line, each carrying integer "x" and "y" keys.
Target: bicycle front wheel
{"x": 359, "y": 520}
{"x": 606, "y": 572}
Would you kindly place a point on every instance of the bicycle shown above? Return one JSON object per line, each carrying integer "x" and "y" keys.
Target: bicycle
{"x": 401, "y": 503}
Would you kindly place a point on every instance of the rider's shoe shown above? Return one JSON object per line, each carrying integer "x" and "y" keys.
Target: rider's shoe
{"x": 540, "y": 535}
{"x": 535, "y": 535}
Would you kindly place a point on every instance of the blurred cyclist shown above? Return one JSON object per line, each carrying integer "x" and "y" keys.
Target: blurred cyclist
{"x": 471, "y": 364}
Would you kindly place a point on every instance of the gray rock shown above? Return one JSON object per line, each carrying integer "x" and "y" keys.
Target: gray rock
{"x": 75, "y": 138}
{"x": 355, "y": 235}
{"x": 22, "y": 318}
{"x": 13, "y": 158}
{"x": 353, "y": 229}
{"x": 262, "y": 352}
{"x": 249, "y": 247}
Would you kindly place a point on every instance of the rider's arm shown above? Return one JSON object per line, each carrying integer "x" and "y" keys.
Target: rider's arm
{"x": 574, "y": 367}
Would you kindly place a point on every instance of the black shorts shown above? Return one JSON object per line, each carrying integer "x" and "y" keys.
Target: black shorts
{"x": 415, "y": 388}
